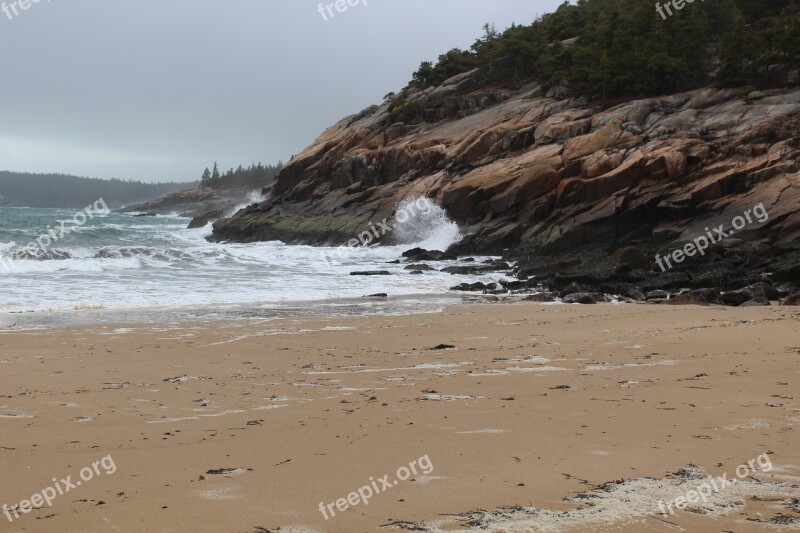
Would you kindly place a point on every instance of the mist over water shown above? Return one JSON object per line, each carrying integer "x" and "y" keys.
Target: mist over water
{"x": 148, "y": 264}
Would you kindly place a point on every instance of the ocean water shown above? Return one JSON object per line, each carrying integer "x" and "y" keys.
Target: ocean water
{"x": 122, "y": 268}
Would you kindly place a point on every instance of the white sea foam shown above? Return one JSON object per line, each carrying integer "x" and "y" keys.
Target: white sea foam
{"x": 123, "y": 262}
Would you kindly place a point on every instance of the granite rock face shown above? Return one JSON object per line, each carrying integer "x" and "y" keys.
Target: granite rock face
{"x": 524, "y": 175}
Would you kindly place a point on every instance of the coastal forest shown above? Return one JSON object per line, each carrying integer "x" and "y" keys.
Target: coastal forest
{"x": 18, "y": 189}
{"x": 621, "y": 49}
{"x": 252, "y": 177}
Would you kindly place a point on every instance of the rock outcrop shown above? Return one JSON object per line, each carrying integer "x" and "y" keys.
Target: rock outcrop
{"x": 529, "y": 174}
{"x": 203, "y": 203}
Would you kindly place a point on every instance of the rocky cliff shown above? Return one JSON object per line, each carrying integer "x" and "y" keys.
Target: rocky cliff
{"x": 531, "y": 174}
{"x": 201, "y": 203}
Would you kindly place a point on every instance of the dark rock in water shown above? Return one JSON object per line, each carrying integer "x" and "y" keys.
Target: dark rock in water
{"x": 372, "y": 273}
{"x": 583, "y": 298}
{"x": 756, "y": 302}
{"x": 202, "y": 221}
{"x": 420, "y": 266}
{"x": 105, "y": 253}
{"x": 144, "y": 215}
{"x": 418, "y": 254}
{"x": 697, "y": 297}
{"x": 495, "y": 288}
{"x": 23, "y": 254}
{"x": 378, "y": 295}
{"x": 416, "y": 272}
{"x": 519, "y": 285}
{"x": 469, "y": 270}
{"x": 469, "y": 287}
{"x": 443, "y": 347}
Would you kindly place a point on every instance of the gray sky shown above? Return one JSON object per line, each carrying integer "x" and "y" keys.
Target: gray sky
{"x": 158, "y": 89}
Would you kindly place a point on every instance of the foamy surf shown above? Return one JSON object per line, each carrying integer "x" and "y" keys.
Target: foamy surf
{"x": 147, "y": 265}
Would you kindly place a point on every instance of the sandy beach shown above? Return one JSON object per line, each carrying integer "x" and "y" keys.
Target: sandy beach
{"x": 544, "y": 417}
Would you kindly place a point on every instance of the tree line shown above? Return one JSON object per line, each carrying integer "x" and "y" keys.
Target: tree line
{"x": 253, "y": 177}
{"x": 607, "y": 49}
{"x": 19, "y": 189}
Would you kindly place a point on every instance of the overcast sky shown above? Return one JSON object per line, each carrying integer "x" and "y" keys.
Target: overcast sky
{"x": 158, "y": 89}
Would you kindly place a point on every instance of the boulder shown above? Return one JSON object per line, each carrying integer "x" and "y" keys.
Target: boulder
{"x": 470, "y": 270}
{"x": 792, "y": 299}
{"x": 755, "y": 302}
{"x": 634, "y": 294}
{"x": 540, "y": 297}
{"x": 750, "y": 292}
{"x": 583, "y": 298}
{"x": 696, "y": 297}
{"x": 202, "y": 221}
{"x": 418, "y": 254}
{"x": 469, "y": 287}
{"x": 659, "y": 294}
{"x": 419, "y": 266}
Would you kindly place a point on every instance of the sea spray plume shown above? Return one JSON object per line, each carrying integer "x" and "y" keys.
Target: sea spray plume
{"x": 253, "y": 198}
{"x": 430, "y": 227}
{"x": 414, "y": 217}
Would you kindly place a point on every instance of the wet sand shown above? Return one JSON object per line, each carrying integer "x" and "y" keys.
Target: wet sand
{"x": 546, "y": 417}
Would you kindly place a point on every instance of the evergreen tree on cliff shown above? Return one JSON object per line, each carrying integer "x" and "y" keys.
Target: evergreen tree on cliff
{"x": 607, "y": 49}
